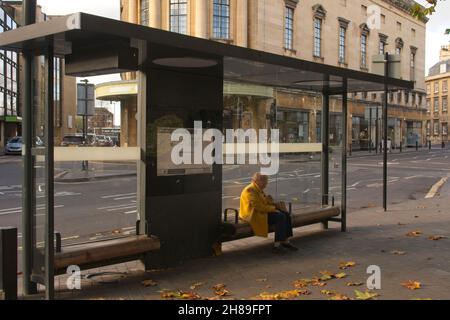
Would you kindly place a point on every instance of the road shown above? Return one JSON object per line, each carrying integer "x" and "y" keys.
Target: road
{"x": 86, "y": 211}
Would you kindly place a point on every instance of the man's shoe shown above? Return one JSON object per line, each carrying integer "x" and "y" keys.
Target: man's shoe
{"x": 289, "y": 246}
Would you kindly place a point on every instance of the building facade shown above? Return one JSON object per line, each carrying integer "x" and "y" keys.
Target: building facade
{"x": 437, "y": 83}
{"x": 64, "y": 87}
{"x": 102, "y": 118}
{"x": 344, "y": 33}
{"x": 10, "y": 116}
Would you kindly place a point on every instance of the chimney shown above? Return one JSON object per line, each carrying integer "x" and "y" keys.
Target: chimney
{"x": 445, "y": 53}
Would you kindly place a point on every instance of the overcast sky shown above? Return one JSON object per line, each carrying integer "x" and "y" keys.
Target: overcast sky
{"x": 439, "y": 21}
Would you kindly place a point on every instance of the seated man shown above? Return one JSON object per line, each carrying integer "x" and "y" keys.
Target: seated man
{"x": 260, "y": 211}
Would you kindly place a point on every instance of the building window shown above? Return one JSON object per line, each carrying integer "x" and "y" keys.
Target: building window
{"x": 406, "y": 97}
{"x": 391, "y": 97}
{"x": 144, "y": 12}
{"x": 436, "y": 127}
{"x": 363, "y": 10}
{"x": 436, "y": 87}
{"x": 420, "y": 100}
{"x": 178, "y": 16}
{"x": 428, "y": 105}
{"x": 342, "y": 31}
{"x": 399, "y": 97}
{"x": 221, "y": 19}
{"x": 412, "y": 64}
{"x": 399, "y": 26}
{"x": 57, "y": 81}
{"x": 398, "y": 46}
{"x": 289, "y": 28}
{"x": 444, "y": 129}
{"x": 363, "y": 51}
{"x": 444, "y": 104}
{"x": 428, "y": 88}
{"x": 413, "y": 33}
{"x": 382, "y": 44}
{"x": 317, "y": 37}
{"x": 374, "y": 96}
{"x": 383, "y": 19}
{"x": 436, "y": 105}
{"x": 444, "y": 86}
{"x": 428, "y": 127}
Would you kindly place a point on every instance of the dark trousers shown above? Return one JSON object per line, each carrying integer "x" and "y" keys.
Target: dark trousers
{"x": 283, "y": 225}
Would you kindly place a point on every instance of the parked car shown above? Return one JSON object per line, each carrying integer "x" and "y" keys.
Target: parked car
{"x": 14, "y": 146}
{"x": 104, "y": 141}
{"x": 73, "y": 141}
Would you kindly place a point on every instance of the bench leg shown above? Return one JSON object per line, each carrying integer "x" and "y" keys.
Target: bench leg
{"x": 324, "y": 225}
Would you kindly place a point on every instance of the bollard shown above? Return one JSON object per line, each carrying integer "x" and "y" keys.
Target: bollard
{"x": 417, "y": 145}
{"x": 429, "y": 145}
{"x": 8, "y": 263}
{"x": 443, "y": 145}
{"x": 401, "y": 145}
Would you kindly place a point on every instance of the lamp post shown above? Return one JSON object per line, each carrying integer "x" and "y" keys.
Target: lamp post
{"x": 85, "y": 163}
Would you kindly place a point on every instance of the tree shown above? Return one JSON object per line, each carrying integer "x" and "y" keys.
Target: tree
{"x": 421, "y": 12}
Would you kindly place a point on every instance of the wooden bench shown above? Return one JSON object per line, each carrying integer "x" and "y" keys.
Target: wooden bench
{"x": 241, "y": 229}
{"x": 102, "y": 253}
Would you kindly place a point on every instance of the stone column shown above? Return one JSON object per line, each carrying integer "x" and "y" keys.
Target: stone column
{"x": 241, "y": 32}
{"x": 133, "y": 15}
{"x": 201, "y": 19}
{"x": 155, "y": 13}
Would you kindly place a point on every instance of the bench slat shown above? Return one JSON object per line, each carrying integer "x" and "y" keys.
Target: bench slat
{"x": 243, "y": 230}
{"x": 105, "y": 250}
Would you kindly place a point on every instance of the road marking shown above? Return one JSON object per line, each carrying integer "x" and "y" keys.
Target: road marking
{"x": 118, "y": 195}
{"x": 121, "y": 208}
{"x": 124, "y": 198}
{"x": 434, "y": 189}
{"x": 130, "y": 212}
{"x": 355, "y": 184}
{"x": 306, "y": 191}
{"x": 116, "y": 206}
{"x": 412, "y": 177}
{"x": 41, "y": 207}
{"x": 349, "y": 189}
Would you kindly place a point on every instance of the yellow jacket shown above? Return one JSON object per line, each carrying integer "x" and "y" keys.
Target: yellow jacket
{"x": 254, "y": 207}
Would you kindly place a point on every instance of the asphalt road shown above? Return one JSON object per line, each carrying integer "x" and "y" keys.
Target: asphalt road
{"x": 92, "y": 210}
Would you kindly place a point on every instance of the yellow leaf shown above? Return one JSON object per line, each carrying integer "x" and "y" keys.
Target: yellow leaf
{"x": 354, "y": 284}
{"x": 327, "y": 292}
{"x": 436, "y": 238}
{"x": 149, "y": 283}
{"x": 169, "y": 295}
{"x": 416, "y": 233}
{"x": 189, "y": 296}
{"x": 399, "y": 253}
{"x": 325, "y": 277}
{"x": 346, "y": 265}
{"x": 367, "y": 295}
{"x": 421, "y": 299}
{"x": 196, "y": 285}
{"x": 412, "y": 285}
{"x": 300, "y": 284}
{"x": 340, "y": 275}
{"x": 340, "y": 296}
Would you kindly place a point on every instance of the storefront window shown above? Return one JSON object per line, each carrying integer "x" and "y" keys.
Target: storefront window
{"x": 293, "y": 125}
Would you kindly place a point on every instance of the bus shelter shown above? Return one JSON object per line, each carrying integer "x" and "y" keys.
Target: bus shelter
{"x": 192, "y": 84}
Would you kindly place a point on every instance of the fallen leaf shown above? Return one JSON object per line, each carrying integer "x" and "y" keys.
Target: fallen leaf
{"x": 340, "y": 275}
{"x": 169, "y": 295}
{"x": 300, "y": 284}
{"x": 325, "y": 277}
{"x": 149, "y": 283}
{"x": 284, "y": 295}
{"x": 399, "y": 253}
{"x": 416, "y": 233}
{"x": 220, "y": 290}
{"x": 189, "y": 295}
{"x": 346, "y": 265}
{"x": 327, "y": 292}
{"x": 340, "y": 296}
{"x": 196, "y": 285}
{"x": 436, "y": 238}
{"x": 412, "y": 285}
{"x": 367, "y": 295}
{"x": 421, "y": 299}
{"x": 354, "y": 284}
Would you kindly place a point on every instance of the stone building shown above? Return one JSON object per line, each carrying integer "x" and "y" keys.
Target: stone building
{"x": 64, "y": 87}
{"x": 437, "y": 83}
{"x": 103, "y": 118}
{"x": 345, "y": 33}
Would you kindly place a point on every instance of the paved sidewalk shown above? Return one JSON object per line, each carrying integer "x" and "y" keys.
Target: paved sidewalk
{"x": 248, "y": 268}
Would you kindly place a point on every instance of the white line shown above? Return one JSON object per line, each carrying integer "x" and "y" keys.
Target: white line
{"x": 237, "y": 198}
{"x": 122, "y": 208}
{"x": 355, "y": 184}
{"x": 118, "y": 195}
{"x": 125, "y": 198}
{"x": 130, "y": 212}
{"x": 307, "y": 190}
{"x": 116, "y": 206}
{"x": 434, "y": 189}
